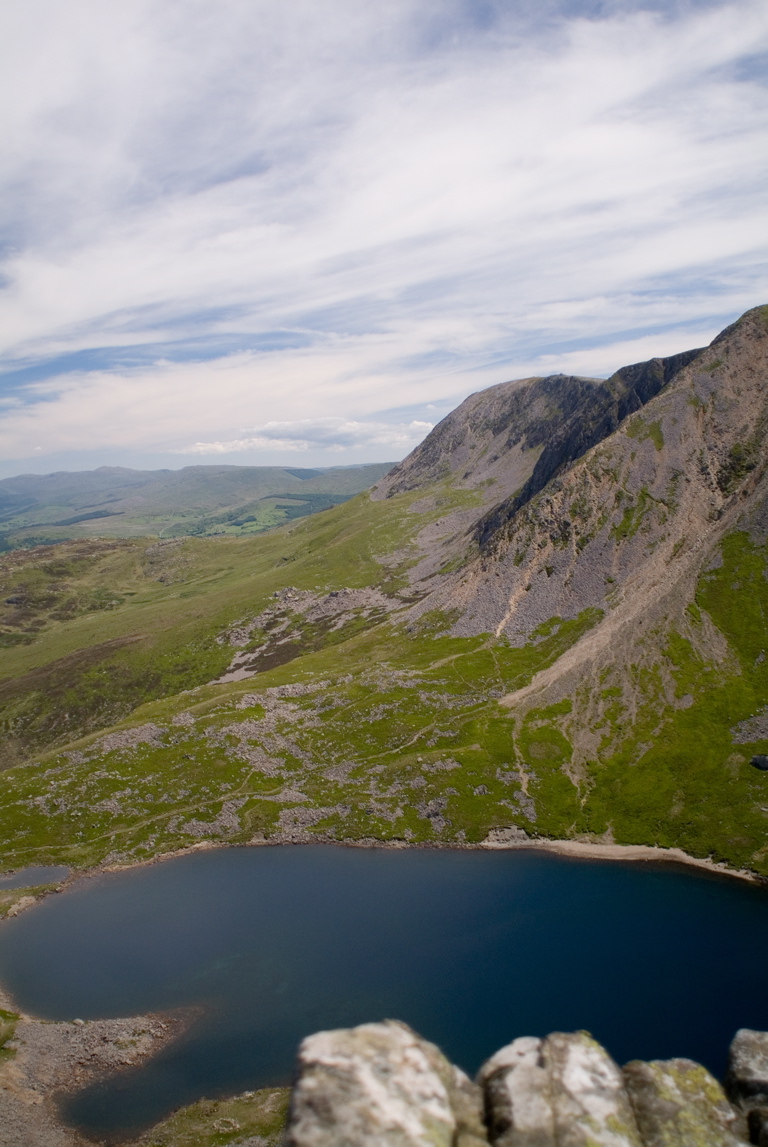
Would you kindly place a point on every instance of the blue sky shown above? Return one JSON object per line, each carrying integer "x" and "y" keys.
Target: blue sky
{"x": 270, "y": 232}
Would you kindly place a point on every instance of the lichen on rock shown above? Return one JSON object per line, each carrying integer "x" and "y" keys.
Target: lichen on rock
{"x": 677, "y": 1103}
{"x": 563, "y": 1091}
{"x": 381, "y": 1083}
{"x": 747, "y": 1078}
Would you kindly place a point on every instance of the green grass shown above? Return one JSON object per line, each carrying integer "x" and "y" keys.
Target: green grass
{"x": 200, "y": 500}
{"x": 97, "y": 628}
{"x": 640, "y": 430}
{"x": 8, "y": 1021}
{"x": 217, "y": 1122}
{"x": 678, "y": 779}
{"x": 390, "y": 722}
{"x": 635, "y": 515}
{"x": 742, "y": 458}
{"x": 368, "y": 729}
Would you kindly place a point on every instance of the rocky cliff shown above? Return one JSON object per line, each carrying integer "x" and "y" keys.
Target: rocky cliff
{"x": 381, "y": 1085}
{"x": 597, "y": 507}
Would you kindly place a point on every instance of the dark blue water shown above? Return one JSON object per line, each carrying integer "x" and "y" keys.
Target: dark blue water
{"x": 471, "y": 948}
{"x": 36, "y": 874}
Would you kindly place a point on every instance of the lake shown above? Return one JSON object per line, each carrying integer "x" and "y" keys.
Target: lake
{"x": 36, "y": 874}
{"x": 472, "y": 948}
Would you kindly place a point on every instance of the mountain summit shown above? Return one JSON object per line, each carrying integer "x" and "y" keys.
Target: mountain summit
{"x": 597, "y": 507}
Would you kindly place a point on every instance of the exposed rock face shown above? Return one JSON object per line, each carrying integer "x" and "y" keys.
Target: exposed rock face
{"x": 747, "y": 1079}
{"x": 381, "y": 1085}
{"x": 518, "y": 1094}
{"x": 633, "y": 513}
{"x": 677, "y": 1103}
{"x": 757, "y": 1123}
{"x": 619, "y": 529}
{"x": 593, "y": 493}
{"x": 591, "y": 415}
{"x": 563, "y": 1091}
{"x": 496, "y": 435}
{"x": 529, "y": 429}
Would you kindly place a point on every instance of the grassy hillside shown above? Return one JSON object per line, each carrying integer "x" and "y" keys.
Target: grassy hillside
{"x": 594, "y": 669}
{"x": 114, "y": 502}
{"x": 91, "y": 629}
{"x": 386, "y": 733}
{"x": 382, "y": 728}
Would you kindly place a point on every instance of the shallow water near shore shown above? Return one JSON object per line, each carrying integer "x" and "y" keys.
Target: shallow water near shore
{"x": 472, "y": 948}
{"x": 36, "y": 874}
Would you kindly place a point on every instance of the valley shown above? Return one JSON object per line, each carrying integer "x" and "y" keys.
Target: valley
{"x": 204, "y": 501}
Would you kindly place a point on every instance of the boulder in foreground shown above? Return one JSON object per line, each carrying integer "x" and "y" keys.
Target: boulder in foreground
{"x": 382, "y": 1085}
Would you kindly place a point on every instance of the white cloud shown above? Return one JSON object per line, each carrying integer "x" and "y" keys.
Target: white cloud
{"x": 335, "y": 434}
{"x": 409, "y": 204}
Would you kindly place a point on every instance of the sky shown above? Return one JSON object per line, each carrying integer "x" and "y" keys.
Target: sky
{"x": 299, "y": 232}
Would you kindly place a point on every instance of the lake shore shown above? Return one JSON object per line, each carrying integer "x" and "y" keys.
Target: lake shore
{"x": 45, "y": 1059}
{"x": 50, "y": 1058}
{"x": 498, "y": 839}
{"x": 594, "y": 850}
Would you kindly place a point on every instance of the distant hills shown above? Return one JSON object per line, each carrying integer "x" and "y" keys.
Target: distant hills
{"x": 115, "y": 502}
{"x": 549, "y": 621}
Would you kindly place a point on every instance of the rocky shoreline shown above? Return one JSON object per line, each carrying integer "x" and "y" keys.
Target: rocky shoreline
{"x": 382, "y": 1085}
{"x": 498, "y": 839}
{"x": 41, "y": 1060}
{"x": 20, "y": 899}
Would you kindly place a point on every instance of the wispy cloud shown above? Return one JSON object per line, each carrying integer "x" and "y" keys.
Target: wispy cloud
{"x": 267, "y": 214}
{"x": 334, "y": 434}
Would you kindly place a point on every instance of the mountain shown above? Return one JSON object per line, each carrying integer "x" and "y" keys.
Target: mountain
{"x": 548, "y": 621}
{"x": 115, "y": 502}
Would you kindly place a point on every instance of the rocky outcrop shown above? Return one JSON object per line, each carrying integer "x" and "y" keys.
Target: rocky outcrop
{"x": 633, "y": 514}
{"x": 565, "y": 1090}
{"x": 592, "y": 415}
{"x": 747, "y": 1078}
{"x": 589, "y": 493}
{"x": 382, "y": 1085}
{"x": 677, "y": 1103}
{"x": 532, "y": 428}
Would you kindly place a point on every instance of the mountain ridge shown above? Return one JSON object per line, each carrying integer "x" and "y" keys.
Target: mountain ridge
{"x": 565, "y": 513}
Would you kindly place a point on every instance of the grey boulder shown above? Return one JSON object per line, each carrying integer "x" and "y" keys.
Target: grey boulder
{"x": 562, "y": 1091}
{"x": 677, "y": 1103}
{"x": 381, "y": 1085}
{"x": 747, "y": 1078}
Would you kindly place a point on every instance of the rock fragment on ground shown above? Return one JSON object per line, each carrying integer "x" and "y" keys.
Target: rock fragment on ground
{"x": 382, "y": 1085}
{"x": 518, "y": 1095}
